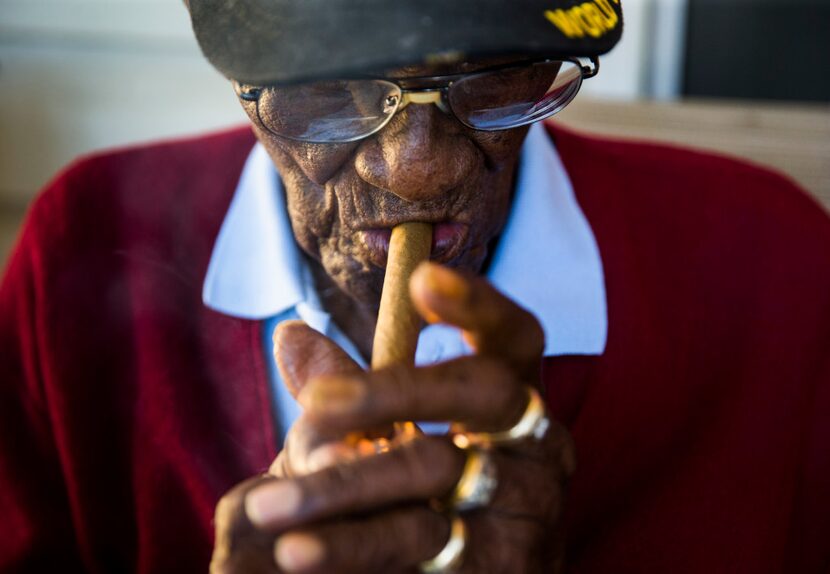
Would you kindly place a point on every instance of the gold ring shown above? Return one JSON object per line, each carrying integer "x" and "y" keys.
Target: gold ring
{"x": 477, "y": 484}
{"x": 533, "y": 424}
{"x": 449, "y": 559}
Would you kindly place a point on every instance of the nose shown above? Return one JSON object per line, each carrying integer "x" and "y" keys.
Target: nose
{"x": 420, "y": 155}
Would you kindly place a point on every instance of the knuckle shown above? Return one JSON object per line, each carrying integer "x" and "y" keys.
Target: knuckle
{"x": 344, "y": 484}
{"x": 337, "y": 478}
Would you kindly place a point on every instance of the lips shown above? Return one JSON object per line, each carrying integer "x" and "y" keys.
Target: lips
{"x": 448, "y": 241}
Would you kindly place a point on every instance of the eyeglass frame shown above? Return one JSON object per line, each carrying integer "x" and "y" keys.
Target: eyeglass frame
{"x": 438, "y": 94}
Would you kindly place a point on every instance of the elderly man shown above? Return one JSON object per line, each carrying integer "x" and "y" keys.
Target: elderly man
{"x": 671, "y": 307}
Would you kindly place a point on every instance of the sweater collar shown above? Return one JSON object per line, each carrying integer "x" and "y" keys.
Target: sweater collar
{"x": 547, "y": 258}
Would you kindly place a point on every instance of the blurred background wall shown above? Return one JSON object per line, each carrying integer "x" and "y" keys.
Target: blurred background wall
{"x": 747, "y": 77}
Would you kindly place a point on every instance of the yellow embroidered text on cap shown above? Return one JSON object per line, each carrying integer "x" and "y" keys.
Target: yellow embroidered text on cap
{"x": 595, "y": 18}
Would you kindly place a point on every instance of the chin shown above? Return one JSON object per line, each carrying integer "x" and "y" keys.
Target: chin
{"x": 361, "y": 281}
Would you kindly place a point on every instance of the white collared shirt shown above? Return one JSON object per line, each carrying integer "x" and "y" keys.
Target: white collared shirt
{"x": 546, "y": 260}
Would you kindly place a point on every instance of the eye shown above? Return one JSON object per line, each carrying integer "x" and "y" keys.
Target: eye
{"x": 247, "y": 92}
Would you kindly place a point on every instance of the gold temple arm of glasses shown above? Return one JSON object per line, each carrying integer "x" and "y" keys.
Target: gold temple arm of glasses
{"x": 426, "y": 97}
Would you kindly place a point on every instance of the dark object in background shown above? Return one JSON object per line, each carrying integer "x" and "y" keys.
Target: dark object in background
{"x": 758, "y": 49}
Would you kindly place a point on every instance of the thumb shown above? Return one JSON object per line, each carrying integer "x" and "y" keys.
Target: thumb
{"x": 303, "y": 354}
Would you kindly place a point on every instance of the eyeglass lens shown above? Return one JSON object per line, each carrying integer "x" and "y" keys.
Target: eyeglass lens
{"x": 337, "y": 110}
{"x": 514, "y": 97}
{"x": 348, "y": 110}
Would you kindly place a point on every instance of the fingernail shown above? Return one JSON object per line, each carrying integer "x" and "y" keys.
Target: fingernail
{"x": 298, "y": 552}
{"x": 272, "y": 503}
{"x": 445, "y": 283}
{"x": 332, "y": 395}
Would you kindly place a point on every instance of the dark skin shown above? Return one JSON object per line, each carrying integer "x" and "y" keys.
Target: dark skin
{"x": 423, "y": 166}
{"x": 329, "y": 504}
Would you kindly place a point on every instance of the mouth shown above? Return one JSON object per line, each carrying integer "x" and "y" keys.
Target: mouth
{"x": 448, "y": 242}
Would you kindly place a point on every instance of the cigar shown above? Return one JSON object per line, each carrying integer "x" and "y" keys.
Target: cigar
{"x": 396, "y": 333}
{"x": 398, "y": 326}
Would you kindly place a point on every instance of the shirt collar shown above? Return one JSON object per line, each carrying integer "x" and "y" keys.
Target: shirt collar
{"x": 255, "y": 270}
{"x": 547, "y": 258}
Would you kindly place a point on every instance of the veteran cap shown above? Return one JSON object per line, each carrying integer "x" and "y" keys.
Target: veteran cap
{"x": 283, "y": 41}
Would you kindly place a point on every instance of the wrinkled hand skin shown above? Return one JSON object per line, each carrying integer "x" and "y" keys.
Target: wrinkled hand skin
{"x": 361, "y": 512}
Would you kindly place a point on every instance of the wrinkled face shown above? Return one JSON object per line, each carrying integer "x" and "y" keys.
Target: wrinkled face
{"x": 344, "y": 199}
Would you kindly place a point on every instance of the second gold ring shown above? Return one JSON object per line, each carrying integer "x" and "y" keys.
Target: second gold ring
{"x": 477, "y": 484}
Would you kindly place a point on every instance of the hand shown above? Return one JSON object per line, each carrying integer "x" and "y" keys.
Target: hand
{"x": 335, "y": 507}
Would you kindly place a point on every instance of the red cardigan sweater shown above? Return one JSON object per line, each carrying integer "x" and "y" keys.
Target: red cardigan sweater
{"x": 127, "y": 408}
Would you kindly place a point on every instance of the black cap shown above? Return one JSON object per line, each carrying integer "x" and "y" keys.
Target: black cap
{"x": 283, "y": 41}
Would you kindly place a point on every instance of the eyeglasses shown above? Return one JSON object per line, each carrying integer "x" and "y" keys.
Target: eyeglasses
{"x": 347, "y": 110}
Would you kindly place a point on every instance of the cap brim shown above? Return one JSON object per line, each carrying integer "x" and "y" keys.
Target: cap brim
{"x": 285, "y": 41}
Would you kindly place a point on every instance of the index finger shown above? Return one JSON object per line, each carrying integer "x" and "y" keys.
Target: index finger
{"x": 414, "y": 472}
{"x": 493, "y": 324}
